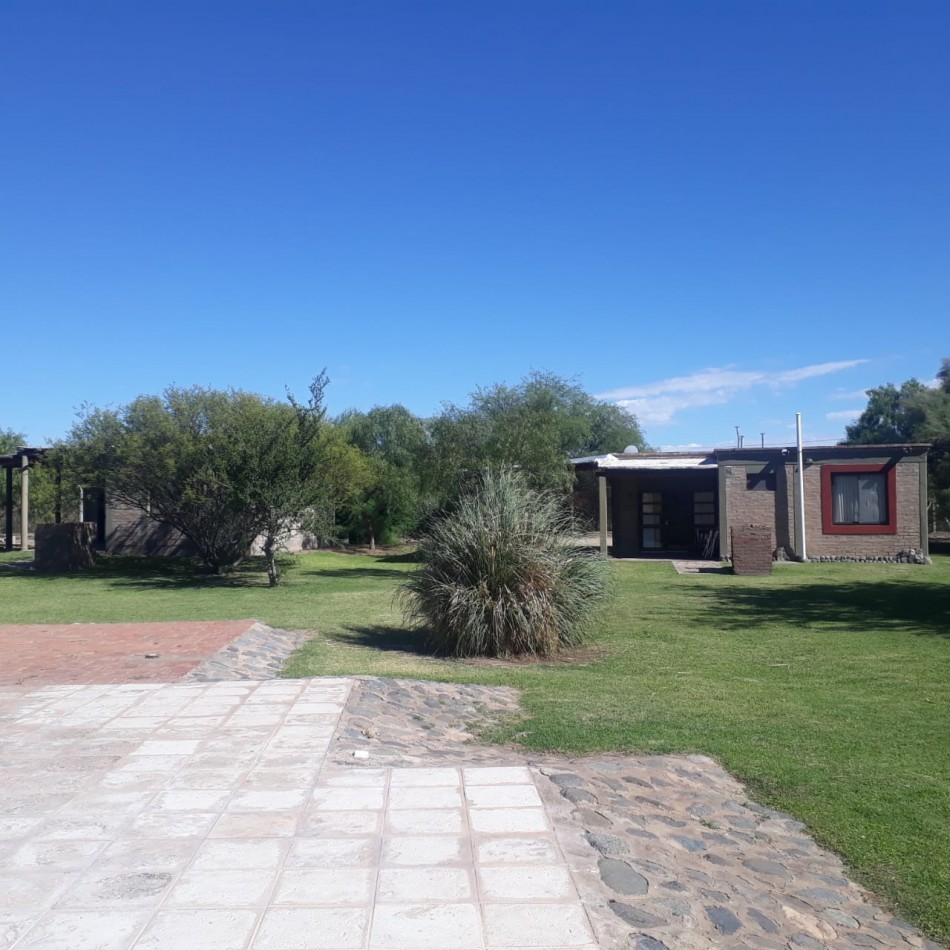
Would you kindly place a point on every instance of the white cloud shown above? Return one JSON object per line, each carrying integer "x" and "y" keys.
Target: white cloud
{"x": 657, "y": 403}
{"x": 844, "y": 415}
{"x": 843, "y": 396}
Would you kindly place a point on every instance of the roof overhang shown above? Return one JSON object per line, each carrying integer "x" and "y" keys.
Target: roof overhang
{"x": 644, "y": 462}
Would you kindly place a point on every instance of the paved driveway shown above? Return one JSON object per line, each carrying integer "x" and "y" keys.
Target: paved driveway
{"x": 202, "y": 815}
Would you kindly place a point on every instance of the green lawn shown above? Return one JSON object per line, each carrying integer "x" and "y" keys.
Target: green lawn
{"x": 824, "y": 687}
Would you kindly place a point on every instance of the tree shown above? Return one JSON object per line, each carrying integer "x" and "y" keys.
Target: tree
{"x": 885, "y": 418}
{"x": 390, "y": 503}
{"x": 221, "y": 467}
{"x": 913, "y": 413}
{"x": 536, "y": 425}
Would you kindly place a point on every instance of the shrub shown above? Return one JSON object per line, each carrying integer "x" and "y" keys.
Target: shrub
{"x": 503, "y": 574}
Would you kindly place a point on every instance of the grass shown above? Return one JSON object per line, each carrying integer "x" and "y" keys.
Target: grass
{"x": 824, "y": 687}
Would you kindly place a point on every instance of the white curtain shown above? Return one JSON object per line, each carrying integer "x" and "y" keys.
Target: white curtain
{"x": 859, "y": 499}
{"x": 871, "y": 492}
{"x": 846, "y": 499}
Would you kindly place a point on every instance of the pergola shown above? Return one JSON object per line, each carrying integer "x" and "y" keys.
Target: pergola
{"x": 22, "y": 460}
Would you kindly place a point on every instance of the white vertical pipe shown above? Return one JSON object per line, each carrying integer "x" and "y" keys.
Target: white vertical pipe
{"x": 800, "y": 525}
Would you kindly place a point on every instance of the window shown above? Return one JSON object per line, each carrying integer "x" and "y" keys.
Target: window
{"x": 704, "y": 508}
{"x": 760, "y": 481}
{"x": 858, "y": 499}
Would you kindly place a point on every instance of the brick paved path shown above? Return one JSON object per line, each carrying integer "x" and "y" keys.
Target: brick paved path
{"x": 40, "y": 654}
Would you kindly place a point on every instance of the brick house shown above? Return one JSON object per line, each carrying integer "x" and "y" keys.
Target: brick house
{"x": 867, "y": 501}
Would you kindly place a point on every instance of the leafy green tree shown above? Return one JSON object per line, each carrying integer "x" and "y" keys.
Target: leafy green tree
{"x": 220, "y": 467}
{"x": 536, "y": 425}
{"x": 913, "y": 413}
{"x": 391, "y": 501}
{"x": 885, "y": 418}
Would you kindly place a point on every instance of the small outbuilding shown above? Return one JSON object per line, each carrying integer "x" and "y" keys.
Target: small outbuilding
{"x": 860, "y": 501}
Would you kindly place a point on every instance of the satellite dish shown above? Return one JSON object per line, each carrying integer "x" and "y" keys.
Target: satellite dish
{"x": 631, "y": 450}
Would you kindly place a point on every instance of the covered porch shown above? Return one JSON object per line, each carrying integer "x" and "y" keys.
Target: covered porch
{"x": 660, "y": 505}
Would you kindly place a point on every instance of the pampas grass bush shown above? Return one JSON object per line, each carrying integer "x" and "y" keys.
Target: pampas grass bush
{"x": 503, "y": 574}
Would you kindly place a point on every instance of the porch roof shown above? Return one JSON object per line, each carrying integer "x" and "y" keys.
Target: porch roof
{"x": 647, "y": 462}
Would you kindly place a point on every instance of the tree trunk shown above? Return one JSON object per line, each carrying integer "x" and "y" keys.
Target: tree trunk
{"x": 270, "y": 552}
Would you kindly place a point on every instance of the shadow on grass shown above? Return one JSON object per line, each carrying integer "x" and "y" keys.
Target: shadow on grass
{"x": 145, "y": 573}
{"x": 388, "y": 640}
{"x": 407, "y": 557}
{"x": 918, "y": 608}
{"x": 374, "y": 573}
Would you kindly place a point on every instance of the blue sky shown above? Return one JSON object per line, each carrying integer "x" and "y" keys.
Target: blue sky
{"x": 719, "y": 213}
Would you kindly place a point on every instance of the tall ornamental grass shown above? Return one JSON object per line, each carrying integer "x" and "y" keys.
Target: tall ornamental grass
{"x": 504, "y": 575}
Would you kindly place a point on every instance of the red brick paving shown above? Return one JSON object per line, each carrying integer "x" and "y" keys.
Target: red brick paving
{"x": 44, "y": 654}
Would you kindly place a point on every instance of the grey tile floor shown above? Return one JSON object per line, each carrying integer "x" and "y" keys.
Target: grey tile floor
{"x": 204, "y": 815}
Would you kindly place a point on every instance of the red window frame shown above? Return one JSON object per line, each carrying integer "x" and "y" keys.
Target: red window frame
{"x": 828, "y": 525}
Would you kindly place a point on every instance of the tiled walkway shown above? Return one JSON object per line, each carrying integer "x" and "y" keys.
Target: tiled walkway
{"x": 36, "y": 654}
{"x": 202, "y": 815}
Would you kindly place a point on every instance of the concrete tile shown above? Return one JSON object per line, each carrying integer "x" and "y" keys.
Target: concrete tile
{"x": 268, "y": 799}
{"x": 536, "y": 925}
{"x": 52, "y": 855}
{"x": 312, "y": 928}
{"x": 497, "y": 775}
{"x": 192, "y": 800}
{"x": 102, "y": 826}
{"x": 502, "y": 796}
{"x": 526, "y": 884}
{"x": 424, "y": 776}
{"x": 207, "y": 929}
{"x": 538, "y": 849}
{"x": 423, "y": 884}
{"x": 280, "y": 778}
{"x": 507, "y": 820}
{"x": 15, "y": 923}
{"x": 316, "y": 821}
{"x": 199, "y": 778}
{"x": 251, "y": 824}
{"x": 413, "y": 797}
{"x": 423, "y": 850}
{"x": 437, "y": 821}
{"x": 156, "y": 854}
{"x": 117, "y": 889}
{"x": 171, "y": 824}
{"x": 240, "y": 854}
{"x": 355, "y": 777}
{"x": 347, "y": 799}
{"x": 167, "y": 764}
{"x": 168, "y": 747}
{"x": 221, "y": 888}
{"x": 312, "y": 886}
{"x": 424, "y": 926}
{"x": 28, "y": 890}
{"x": 85, "y": 930}
{"x": 331, "y": 852}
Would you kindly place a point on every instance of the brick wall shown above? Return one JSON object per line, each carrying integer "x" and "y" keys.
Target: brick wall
{"x": 744, "y": 507}
{"x": 752, "y": 547}
{"x": 131, "y": 531}
{"x": 907, "y": 477}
